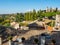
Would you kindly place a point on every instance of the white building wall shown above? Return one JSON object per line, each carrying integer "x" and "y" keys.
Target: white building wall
{"x": 16, "y": 26}
{"x": 0, "y": 41}
{"x": 57, "y": 22}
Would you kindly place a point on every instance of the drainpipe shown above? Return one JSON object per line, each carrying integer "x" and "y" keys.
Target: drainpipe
{"x": 42, "y": 40}
{"x": 0, "y": 40}
{"x": 9, "y": 42}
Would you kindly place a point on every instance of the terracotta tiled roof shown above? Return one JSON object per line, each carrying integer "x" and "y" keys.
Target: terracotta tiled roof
{"x": 49, "y": 28}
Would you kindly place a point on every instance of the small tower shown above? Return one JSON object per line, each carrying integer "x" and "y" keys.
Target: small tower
{"x": 51, "y": 10}
{"x": 47, "y": 10}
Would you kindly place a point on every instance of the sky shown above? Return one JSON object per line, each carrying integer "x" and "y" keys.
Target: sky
{"x": 17, "y": 6}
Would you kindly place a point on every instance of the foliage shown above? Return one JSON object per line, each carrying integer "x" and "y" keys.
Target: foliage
{"x": 7, "y": 24}
{"x": 36, "y": 40}
{"x": 52, "y": 23}
{"x": 23, "y": 24}
{"x": 48, "y": 14}
{"x": 10, "y": 38}
{"x": 1, "y": 19}
{"x": 27, "y": 16}
{"x": 19, "y": 17}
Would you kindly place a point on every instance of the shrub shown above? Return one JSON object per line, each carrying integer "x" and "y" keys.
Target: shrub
{"x": 36, "y": 40}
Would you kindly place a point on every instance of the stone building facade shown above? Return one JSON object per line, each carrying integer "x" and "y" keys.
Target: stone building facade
{"x": 57, "y": 21}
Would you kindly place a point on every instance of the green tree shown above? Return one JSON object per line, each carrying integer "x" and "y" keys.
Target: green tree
{"x": 19, "y": 17}
{"x": 34, "y": 14}
{"x": 1, "y": 19}
{"x": 39, "y": 14}
{"x": 48, "y": 14}
{"x": 26, "y": 16}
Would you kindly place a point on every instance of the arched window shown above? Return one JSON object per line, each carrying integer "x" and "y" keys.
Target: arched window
{"x": 23, "y": 39}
